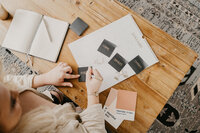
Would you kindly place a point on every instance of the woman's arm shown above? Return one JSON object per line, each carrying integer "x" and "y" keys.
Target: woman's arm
{"x": 93, "y": 83}
{"x": 93, "y": 117}
{"x": 55, "y": 77}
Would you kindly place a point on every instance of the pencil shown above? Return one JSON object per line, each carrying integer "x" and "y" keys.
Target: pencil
{"x": 47, "y": 30}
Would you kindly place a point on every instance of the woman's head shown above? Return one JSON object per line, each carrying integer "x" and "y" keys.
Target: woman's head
{"x": 10, "y": 109}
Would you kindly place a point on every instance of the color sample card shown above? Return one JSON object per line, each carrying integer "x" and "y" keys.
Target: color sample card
{"x": 106, "y": 48}
{"x": 109, "y": 109}
{"x": 120, "y": 105}
{"x": 126, "y": 104}
{"x": 79, "y": 26}
{"x": 82, "y": 72}
{"x": 117, "y": 62}
{"x": 138, "y": 64}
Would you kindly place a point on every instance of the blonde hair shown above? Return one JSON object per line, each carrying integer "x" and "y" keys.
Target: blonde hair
{"x": 2, "y": 75}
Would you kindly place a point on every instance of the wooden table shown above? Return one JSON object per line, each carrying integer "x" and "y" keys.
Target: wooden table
{"x": 154, "y": 85}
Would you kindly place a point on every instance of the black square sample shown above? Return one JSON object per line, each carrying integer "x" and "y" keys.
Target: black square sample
{"x": 117, "y": 62}
{"x": 106, "y": 48}
{"x": 137, "y": 64}
{"x": 78, "y": 26}
{"x": 82, "y": 72}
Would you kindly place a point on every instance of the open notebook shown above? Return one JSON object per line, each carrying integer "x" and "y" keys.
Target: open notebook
{"x": 36, "y": 34}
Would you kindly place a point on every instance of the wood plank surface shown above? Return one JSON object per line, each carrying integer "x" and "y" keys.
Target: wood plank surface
{"x": 154, "y": 85}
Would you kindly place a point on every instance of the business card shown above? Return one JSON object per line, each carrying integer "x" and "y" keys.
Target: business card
{"x": 82, "y": 72}
{"x": 138, "y": 64}
{"x": 106, "y": 48}
{"x": 117, "y": 62}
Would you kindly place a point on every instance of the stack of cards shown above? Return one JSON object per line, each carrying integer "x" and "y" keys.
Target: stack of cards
{"x": 120, "y": 105}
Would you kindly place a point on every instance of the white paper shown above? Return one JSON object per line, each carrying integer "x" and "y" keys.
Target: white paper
{"x": 122, "y": 33}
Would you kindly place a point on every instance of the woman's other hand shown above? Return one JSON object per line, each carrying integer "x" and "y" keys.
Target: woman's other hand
{"x": 93, "y": 83}
{"x": 55, "y": 77}
{"x": 93, "y": 80}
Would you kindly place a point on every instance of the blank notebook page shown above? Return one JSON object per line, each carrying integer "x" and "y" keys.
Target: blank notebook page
{"x": 42, "y": 45}
{"x": 22, "y": 30}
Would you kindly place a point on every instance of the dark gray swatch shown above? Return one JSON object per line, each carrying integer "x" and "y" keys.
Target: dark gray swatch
{"x": 106, "y": 48}
{"x": 137, "y": 64}
{"x": 79, "y": 26}
{"x": 82, "y": 72}
{"x": 117, "y": 62}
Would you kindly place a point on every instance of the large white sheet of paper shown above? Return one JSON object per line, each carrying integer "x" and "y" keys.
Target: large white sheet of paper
{"x": 127, "y": 37}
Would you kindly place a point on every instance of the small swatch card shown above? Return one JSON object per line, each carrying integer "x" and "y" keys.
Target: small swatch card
{"x": 117, "y": 62}
{"x": 138, "y": 64}
{"x": 109, "y": 109}
{"x": 82, "y": 72}
{"x": 125, "y": 105}
{"x": 120, "y": 105}
{"x": 106, "y": 48}
{"x": 79, "y": 26}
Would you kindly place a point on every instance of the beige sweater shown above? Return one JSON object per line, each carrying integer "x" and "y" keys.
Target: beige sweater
{"x": 60, "y": 119}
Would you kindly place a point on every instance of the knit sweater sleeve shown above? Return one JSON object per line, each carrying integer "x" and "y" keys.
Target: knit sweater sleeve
{"x": 21, "y": 82}
{"x": 93, "y": 119}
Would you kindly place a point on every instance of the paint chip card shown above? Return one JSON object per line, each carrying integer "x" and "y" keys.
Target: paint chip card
{"x": 117, "y": 62}
{"x": 79, "y": 26}
{"x": 126, "y": 104}
{"x": 120, "y": 105}
{"x": 109, "y": 109}
{"x": 137, "y": 64}
{"x": 82, "y": 72}
{"x": 106, "y": 48}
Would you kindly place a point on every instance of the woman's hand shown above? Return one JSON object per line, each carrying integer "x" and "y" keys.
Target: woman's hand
{"x": 93, "y": 83}
{"x": 55, "y": 77}
{"x": 93, "y": 80}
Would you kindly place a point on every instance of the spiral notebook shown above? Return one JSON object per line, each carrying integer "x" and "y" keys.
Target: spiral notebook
{"x": 35, "y": 34}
